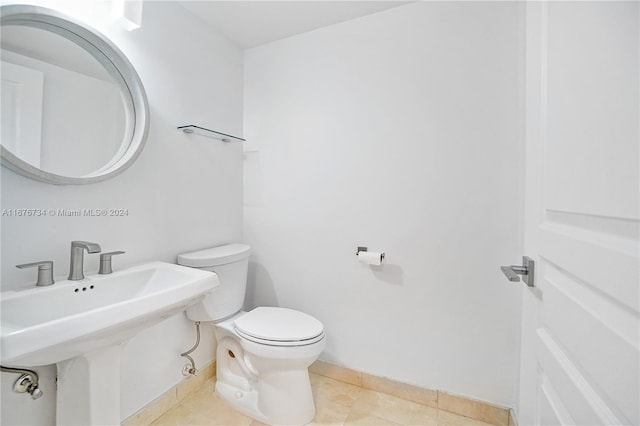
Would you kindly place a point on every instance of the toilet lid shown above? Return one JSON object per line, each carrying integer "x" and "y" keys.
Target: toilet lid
{"x": 278, "y": 325}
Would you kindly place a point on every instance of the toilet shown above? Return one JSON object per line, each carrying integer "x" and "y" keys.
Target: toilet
{"x": 263, "y": 355}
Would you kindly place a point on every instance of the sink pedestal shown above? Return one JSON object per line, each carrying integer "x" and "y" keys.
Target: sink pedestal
{"x": 89, "y": 389}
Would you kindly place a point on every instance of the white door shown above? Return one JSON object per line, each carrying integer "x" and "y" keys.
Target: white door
{"x": 22, "y": 100}
{"x": 580, "y": 359}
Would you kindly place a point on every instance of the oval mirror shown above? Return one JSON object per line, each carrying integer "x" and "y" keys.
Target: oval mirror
{"x": 74, "y": 110}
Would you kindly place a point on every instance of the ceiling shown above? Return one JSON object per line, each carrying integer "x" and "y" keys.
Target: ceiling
{"x": 252, "y": 23}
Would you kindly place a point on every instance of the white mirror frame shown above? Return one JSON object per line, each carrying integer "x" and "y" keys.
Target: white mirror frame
{"x": 116, "y": 63}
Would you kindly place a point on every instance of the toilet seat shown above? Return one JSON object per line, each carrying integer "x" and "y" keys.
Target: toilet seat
{"x": 279, "y": 327}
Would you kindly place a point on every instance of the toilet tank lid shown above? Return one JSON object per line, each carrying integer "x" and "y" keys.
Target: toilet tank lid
{"x": 215, "y": 256}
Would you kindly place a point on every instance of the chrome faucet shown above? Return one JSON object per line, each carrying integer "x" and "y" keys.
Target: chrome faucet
{"x": 76, "y": 272}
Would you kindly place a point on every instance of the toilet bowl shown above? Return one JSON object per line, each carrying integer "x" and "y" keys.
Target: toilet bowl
{"x": 262, "y": 355}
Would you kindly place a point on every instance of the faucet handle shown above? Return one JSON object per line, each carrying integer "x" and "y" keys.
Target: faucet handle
{"x": 45, "y": 271}
{"x": 105, "y": 262}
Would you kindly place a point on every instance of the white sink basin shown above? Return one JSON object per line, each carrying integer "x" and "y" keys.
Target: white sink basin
{"x": 47, "y": 325}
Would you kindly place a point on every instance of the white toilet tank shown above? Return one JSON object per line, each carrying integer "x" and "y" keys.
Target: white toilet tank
{"x": 230, "y": 262}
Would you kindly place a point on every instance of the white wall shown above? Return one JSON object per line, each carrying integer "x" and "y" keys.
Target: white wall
{"x": 183, "y": 193}
{"x": 398, "y": 131}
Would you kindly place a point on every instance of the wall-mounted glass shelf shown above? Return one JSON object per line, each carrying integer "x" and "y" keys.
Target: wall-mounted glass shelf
{"x": 192, "y": 128}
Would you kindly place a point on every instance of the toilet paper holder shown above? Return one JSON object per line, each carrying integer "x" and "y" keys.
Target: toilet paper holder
{"x": 367, "y": 249}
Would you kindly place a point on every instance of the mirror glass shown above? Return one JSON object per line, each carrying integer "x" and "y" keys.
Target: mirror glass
{"x": 73, "y": 108}
{"x": 61, "y": 110}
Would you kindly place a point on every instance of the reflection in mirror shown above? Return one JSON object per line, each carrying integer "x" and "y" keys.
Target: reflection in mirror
{"x": 74, "y": 110}
{"x": 62, "y": 112}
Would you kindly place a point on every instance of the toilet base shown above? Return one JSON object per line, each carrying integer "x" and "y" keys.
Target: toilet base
{"x": 242, "y": 400}
{"x": 276, "y": 400}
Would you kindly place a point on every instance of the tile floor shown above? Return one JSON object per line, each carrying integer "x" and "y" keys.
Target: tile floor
{"x": 337, "y": 403}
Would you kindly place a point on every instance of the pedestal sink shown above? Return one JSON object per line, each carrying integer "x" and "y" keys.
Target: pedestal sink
{"x": 81, "y": 325}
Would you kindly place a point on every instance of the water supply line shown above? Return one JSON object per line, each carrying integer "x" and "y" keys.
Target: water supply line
{"x": 27, "y": 382}
{"x": 186, "y": 370}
